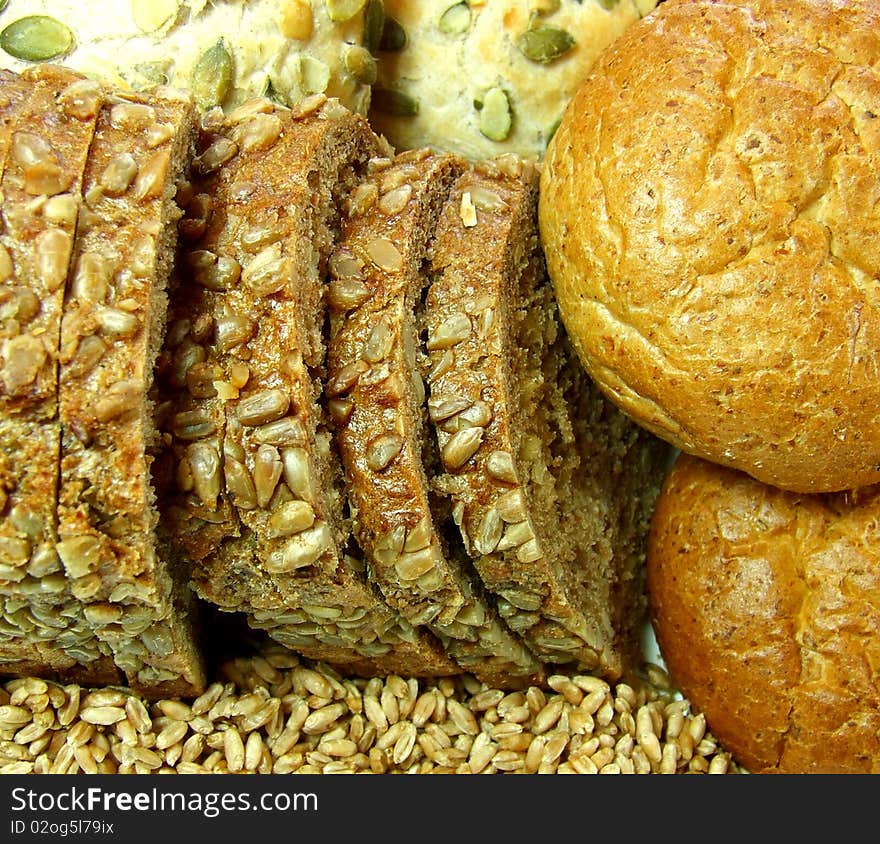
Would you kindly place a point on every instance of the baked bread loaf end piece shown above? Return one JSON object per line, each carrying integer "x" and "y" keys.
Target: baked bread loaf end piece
{"x": 766, "y": 609}
{"x": 114, "y": 318}
{"x": 551, "y": 485}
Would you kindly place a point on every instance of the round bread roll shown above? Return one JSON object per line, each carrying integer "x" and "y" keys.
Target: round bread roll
{"x": 766, "y": 608}
{"x": 709, "y": 210}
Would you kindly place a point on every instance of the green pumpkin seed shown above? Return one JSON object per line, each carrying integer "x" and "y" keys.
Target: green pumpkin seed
{"x": 374, "y": 25}
{"x": 315, "y": 75}
{"x": 544, "y": 43}
{"x": 344, "y": 10}
{"x": 360, "y": 63}
{"x": 36, "y": 38}
{"x": 608, "y": 4}
{"x": 3, "y": 4}
{"x": 394, "y": 102}
{"x": 393, "y": 36}
{"x": 456, "y": 19}
{"x": 212, "y": 75}
{"x": 495, "y": 116}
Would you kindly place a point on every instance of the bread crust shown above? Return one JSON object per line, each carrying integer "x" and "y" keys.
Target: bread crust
{"x": 431, "y": 88}
{"x": 712, "y": 238}
{"x": 766, "y": 612}
{"x": 227, "y": 51}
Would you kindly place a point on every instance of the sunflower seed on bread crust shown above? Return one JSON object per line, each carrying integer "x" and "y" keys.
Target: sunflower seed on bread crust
{"x": 375, "y": 387}
{"x": 256, "y": 495}
{"x": 554, "y": 494}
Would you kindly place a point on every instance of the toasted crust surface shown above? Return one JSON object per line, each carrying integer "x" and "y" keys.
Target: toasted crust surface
{"x": 766, "y": 612}
{"x": 378, "y": 397}
{"x": 712, "y": 238}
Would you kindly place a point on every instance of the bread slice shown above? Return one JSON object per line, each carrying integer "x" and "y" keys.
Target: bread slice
{"x": 378, "y": 402}
{"x": 551, "y": 486}
{"x": 47, "y": 122}
{"x": 113, "y": 321}
{"x": 258, "y": 500}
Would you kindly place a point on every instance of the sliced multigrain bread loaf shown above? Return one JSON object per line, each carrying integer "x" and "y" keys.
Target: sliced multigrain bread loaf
{"x": 47, "y": 123}
{"x": 377, "y": 399}
{"x": 551, "y": 486}
{"x": 258, "y": 500}
{"x": 113, "y": 320}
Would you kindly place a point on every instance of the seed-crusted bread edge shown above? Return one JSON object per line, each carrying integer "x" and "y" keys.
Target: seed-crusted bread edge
{"x": 538, "y": 488}
{"x": 48, "y": 124}
{"x": 114, "y": 317}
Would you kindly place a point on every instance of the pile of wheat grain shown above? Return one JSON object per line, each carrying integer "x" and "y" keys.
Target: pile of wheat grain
{"x": 277, "y": 713}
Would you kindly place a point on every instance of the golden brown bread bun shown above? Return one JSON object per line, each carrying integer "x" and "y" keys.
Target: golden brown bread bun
{"x": 710, "y": 207}
{"x": 766, "y": 608}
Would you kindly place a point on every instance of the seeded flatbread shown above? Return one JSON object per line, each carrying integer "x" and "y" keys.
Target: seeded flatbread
{"x": 48, "y": 122}
{"x": 484, "y": 78}
{"x": 378, "y": 402}
{"x": 259, "y": 502}
{"x": 552, "y": 486}
{"x": 225, "y": 51}
{"x": 114, "y": 317}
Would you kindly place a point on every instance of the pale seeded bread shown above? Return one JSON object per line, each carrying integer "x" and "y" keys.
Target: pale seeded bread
{"x": 47, "y": 126}
{"x": 253, "y": 456}
{"x": 225, "y": 51}
{"x": 377, "y": 400}
{"x": 114, "y": 317}
{"x": 485, "y": 78}
{"x": 536, "y": 462}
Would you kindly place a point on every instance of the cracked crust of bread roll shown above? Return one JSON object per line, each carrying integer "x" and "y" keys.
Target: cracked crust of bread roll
{"x": 712, "y": 239}
{"x": 48, "y": 122}
{"x": 224, "y": 51}
{"x": 377, "y": 399}
{"x": 481, "y": 79}
{"x": 254, "y": 461}
{"x": 134, "y": 595}
{"x": 765, "y": 605}
{"x": 551, "y": 486}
